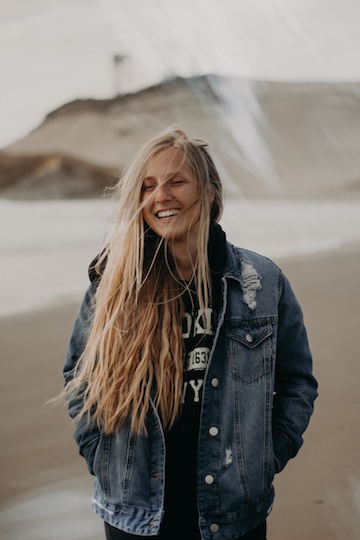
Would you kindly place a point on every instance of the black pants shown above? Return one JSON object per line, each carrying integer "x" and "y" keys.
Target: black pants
{"x": 114, "y": 534}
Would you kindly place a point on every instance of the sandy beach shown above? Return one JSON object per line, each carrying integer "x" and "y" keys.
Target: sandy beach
{"x": 46, "y": 490}
{"x": 289, "y": 191}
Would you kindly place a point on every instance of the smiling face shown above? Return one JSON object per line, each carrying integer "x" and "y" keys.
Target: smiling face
{"x": 170, "y": 194}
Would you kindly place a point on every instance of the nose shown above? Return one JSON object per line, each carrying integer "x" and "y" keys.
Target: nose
{"x": 163, "y": 193}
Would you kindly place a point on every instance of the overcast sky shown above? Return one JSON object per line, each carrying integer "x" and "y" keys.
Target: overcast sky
{"x": 52, "y": 51}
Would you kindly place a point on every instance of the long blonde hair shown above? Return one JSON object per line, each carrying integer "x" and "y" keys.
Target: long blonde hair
{"x": 135, "y": 347}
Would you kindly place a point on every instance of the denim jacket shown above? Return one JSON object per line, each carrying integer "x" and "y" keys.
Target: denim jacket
{"x": 258, "y": 394}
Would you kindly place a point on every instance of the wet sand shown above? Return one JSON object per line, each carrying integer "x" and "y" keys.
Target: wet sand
{"x": 46, "y": 490}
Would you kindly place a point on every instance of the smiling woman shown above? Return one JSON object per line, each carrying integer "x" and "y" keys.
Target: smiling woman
{"x": 188, "y": 372}
{"x": 170, "y": 190}
{"x": 172, "y": 205}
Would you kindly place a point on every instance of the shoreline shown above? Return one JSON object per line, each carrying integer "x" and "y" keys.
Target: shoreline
{"x": 74, "y": 298}
{"x": 316, "y": 495}
{"x": 46, "y": 266}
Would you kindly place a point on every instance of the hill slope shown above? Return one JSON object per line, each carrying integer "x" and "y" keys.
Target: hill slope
{"x": 268, "y": 139}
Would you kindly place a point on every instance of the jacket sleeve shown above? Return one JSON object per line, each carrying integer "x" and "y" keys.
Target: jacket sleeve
{"x": 86, "y": 434}
{"x": 295, "y": 386}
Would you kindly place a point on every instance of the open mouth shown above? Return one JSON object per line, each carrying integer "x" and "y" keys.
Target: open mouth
{"x": 167, "y": 213}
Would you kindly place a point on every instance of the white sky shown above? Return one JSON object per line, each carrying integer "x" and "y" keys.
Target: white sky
{"x": 52, "y": 51}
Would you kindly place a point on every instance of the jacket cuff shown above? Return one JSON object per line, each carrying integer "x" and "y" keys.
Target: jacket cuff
{"x": 283, "y": 451}
{"x": 89, "y": 454}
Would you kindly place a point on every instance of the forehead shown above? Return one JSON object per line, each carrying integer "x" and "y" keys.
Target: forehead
{"x": 166, "y": 162}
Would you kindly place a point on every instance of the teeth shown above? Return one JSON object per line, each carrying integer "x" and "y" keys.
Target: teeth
{"x": 167, "y": 213}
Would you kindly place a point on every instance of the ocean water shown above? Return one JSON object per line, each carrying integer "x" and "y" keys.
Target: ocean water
{"x": 46, "y": 246}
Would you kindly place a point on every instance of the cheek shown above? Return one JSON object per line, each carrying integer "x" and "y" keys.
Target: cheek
{"x": 146, "y": 214}
{"x": 191, "y": 198}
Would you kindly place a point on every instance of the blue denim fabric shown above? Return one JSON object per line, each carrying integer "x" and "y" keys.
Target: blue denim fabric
{"x": 258, "y": 392}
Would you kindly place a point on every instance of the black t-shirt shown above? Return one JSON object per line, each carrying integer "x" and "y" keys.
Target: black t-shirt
{"x": 181, "y": 512}
{"x": 182, "y": 438}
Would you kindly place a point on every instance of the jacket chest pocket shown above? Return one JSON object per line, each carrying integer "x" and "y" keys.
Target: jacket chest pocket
{"x": 251, "y": 346}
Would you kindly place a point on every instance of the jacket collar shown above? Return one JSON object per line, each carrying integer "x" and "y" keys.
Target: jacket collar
{"x": 233, "y": 263}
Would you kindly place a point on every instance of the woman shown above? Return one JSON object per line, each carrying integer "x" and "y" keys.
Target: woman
{"x": 188, "y": 371}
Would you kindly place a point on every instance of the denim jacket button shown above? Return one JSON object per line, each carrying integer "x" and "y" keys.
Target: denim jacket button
{"x": 214, "y": 382}
{"x": 214, "y": 527}
{"x": 249, "y": 338}
{"x": 209, "y": 479}
{"x": 213, "y": 431}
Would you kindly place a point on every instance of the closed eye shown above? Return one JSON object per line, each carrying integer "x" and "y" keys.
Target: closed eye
{"x": 177, "y": 181}
{"x": 147, "y": 187}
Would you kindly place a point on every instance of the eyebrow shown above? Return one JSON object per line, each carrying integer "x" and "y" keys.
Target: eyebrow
{"x": 149, "y": 178}
{"x": 167, "y": 178}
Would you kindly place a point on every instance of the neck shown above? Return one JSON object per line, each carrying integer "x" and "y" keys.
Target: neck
{"x": 185, "y": 257}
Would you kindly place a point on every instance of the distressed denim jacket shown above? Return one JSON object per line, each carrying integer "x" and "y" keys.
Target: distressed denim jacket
{"x": 258, "y": 394}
